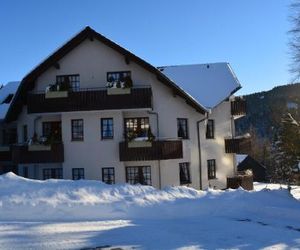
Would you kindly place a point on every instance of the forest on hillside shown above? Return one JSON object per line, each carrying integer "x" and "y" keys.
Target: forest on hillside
{"x": 265, "y": 109}
{"x": 268, "y": 113}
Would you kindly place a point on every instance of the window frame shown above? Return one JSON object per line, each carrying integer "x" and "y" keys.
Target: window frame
{"x": 103, "y": 137}
{"x": 25, "y": 133}
{"x": 140, "y": 174}
{"x": 73, "y": 138}
{"x": 9, "y": 136}
{"x": 188, "y": 180}
{"x": 210, "y": 129}
{"x": 211, "y": 169}
{"x": 138, "y": 128}
{"x": 108, "y": 175}
{"x": 25, "y": 172}
{"x": 74, "y": 87}
{"x": 124, "y": 73}
{"x": 53, "y": 173}
{"x": 47, "y": 126}
{"x": 80, "y": 175}
{"x": 185, "y": 128}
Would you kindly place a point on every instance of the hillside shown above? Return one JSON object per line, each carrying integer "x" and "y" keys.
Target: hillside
{"x": 264, "y": 110}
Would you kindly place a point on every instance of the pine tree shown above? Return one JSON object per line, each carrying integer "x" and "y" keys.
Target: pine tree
{"x": 285, "y": 150}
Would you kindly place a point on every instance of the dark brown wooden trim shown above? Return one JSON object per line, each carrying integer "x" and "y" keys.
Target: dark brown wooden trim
{"x": 160, "y": 150}
{"x": 90, "y": 100}
{"x": 238, "y": 145}
{"x": 5, "y": 156}
{"x": 21, "y": 155}
{"x": 238, "y": 107}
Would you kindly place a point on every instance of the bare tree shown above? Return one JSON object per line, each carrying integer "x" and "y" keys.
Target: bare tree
{"x": 295, "y": 39}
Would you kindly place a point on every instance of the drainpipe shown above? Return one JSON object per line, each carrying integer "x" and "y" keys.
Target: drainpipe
{"x": 232, "y": 124}
{"x": 199, "y": 149}
{"x": 157, "y": 136}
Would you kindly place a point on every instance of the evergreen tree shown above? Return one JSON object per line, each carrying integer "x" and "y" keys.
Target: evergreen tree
{"x": 285, "y": 150}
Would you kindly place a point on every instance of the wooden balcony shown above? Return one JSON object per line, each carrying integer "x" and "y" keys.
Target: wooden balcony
{"x": 5, "y": 154}
{"x": 158, "y": 150}
{"x": 23, "y": 154}
{"x": 240, "y": 180}
{"x": 90, "y": 99}
{"x": 240, "y": 145}
{"x": 238, "y": 107}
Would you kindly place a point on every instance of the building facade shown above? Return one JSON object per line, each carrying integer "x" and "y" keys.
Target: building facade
{"x": 93, "y": 110}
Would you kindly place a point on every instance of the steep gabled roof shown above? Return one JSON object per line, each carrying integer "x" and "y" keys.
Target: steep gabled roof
{"x": 7, "y": 94}
{"x": 88, "y": 33}
{"x": 210, "y": 84}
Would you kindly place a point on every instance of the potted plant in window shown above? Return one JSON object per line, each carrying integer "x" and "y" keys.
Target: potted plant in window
{"x": 38, "y": 145}
{"x": 58, "y": 90}
{"x": 141, "y": 141}
{"x": 119, "y": 87}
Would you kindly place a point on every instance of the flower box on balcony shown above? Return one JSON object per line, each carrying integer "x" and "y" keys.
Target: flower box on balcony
{"x": 118, "y": 91}
{"x": 39, "y": 147}
{"x": 139, "y": 144}
{"x": 4, "y": 148}
{"x": 56, "y": 94}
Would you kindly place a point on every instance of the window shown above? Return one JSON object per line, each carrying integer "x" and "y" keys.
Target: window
{"x": 25, "y": 133}
{"x": 52, "y": 129}
{"x": 77, "y": 130}
{"x": 141, "y": 175}
{"x": 182, "y": 128}
{"x": 108, "y": 175}
{"x": 52, "y": 173}
{"x": 117, "y": 76}
{"x": 9, "y": 136}
{"x": 74, "y": 81}
{"x": 136, "y": 127}
{"x": 25, "y": 172}
{"x": 211, "y": 169}
{"x": 210, "y": 129}
{"x": 184, "y": 173}
{"x": 107, "y": 128}
{"x": 78, "y": 173}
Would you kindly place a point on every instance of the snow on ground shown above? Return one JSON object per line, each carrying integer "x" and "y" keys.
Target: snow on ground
{"x": 63, "y": 214}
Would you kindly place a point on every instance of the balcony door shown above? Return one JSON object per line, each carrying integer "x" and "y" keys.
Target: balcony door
{"x": 136, "y": 127}
{"x": 52, "y": 130}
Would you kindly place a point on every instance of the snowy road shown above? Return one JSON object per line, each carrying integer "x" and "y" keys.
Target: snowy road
{"x": 201, "y": 233}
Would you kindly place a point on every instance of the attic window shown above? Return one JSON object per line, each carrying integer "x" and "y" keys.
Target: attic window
{"x": 8, "y": 99}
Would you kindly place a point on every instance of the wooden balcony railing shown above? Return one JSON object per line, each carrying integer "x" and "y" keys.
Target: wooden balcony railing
{"x": 157, "y": 150}
{"x": 21, "y": 154}
{"x": 238, "y": 145}
{"x": 5, "y": 153}
{"x": 238, "y": 107}
{"x": 90, "y": 99}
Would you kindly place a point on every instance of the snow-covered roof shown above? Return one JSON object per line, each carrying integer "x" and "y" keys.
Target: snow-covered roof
{"x": 209, "y": 84}
{"x": 7, "y": 93}
{"x": 240, "y": 157}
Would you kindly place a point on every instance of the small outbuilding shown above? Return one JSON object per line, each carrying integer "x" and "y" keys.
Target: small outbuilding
{"x": 258, "y": 170}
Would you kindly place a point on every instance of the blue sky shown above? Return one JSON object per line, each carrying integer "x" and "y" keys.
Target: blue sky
{"x": 250, "y": 34}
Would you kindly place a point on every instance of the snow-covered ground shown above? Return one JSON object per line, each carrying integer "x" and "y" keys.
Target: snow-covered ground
{"x": 61, "y": 214}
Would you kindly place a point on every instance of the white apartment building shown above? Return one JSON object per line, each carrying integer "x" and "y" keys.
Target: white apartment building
{"x": 93, "y": 110}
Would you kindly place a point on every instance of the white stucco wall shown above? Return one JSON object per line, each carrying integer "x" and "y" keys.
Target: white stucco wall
{"x": 215, "y": 148}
